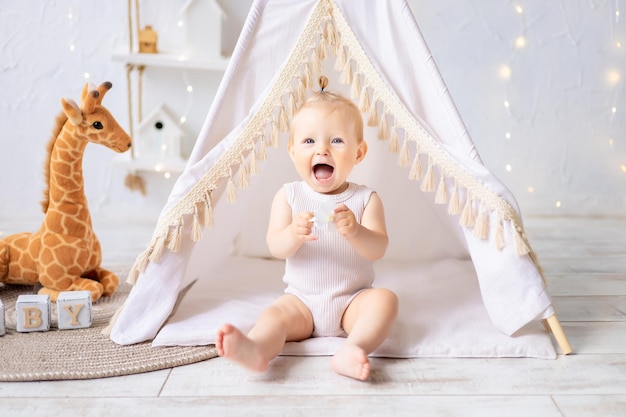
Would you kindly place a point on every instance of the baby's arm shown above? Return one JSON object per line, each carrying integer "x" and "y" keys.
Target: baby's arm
{"x": 369, "y": 238}
{"x": 284, "y": 234}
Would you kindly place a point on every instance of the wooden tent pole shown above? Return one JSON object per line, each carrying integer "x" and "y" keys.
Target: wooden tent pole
{"x": 561, "y": 339}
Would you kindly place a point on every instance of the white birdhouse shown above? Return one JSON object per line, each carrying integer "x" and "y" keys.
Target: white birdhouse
{"x": 203, "y": 28}
{"x": 159, "y": 136}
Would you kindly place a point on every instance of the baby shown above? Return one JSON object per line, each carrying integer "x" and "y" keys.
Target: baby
{"x": 329, "y": 266}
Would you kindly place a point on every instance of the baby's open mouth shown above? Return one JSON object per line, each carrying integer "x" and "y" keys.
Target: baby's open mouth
{"x": 323, "y": 171}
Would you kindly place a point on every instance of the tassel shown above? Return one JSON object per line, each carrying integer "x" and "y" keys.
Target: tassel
{"x": 292, "y": 105}
{"x": 252, "y": 165}
{"x": 373, "y": 119}
{"x": 106, "y": 332}
{"x": 520, "y": 244}
{"x": 467, "y": 215}
{"x": 306, "y": 78}
{"x": 316, "y": 63}
{"x": 274, "y": 136}
{"x": 481, "y": 227}
{"x": 394, "y": 141}
{"x": 441, "y": 196}
{"x": 133, "y": 276}
{"x": 428, "y": 184}
{"x": 244, "y": 175}
{"x": 404, "y": 158}
{"x": 231, "y": 191}
{"x": 283, "y": 120}
{"x": 301, "y": 91}
{"x": 175, "y": 238}
{"x": 207, "y": 215}
{"x": 262, "y": 150}
{"x": 383, "y": 128}
{"x": 141, "y": 262}
{"x": 341, "y": 61}
{"x": 364, "y": 101}
{"x": 355, "y": 88}
{"x": 499, "y": 238}
{"x": 321, "y": 51}
{"x": 196, "y": 229}
{"x": 454, "y": 208}
{"x": 416, "y": 168}
{"x": 346, "y": 75}
{"x": 330, "y": 34}
{"x": 157, "y": 250}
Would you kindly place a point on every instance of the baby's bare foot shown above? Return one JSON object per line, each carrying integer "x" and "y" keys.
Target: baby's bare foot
{"x": 351, "y": 361}
{"x": 235, "y": 346}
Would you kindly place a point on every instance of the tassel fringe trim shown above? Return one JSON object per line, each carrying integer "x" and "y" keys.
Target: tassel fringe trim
{"x": 327, "y": 32}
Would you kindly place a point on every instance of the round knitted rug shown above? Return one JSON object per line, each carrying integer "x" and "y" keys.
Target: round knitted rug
{"x": 81, "y": 353}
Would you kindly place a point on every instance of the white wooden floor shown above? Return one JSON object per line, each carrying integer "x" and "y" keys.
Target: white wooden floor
{"x": 585, "y": 264}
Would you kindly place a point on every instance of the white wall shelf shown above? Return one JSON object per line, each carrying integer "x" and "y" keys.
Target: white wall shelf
{"x": 166, "y": 60}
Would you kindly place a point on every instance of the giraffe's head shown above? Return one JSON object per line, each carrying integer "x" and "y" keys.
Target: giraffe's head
{"x": 95, "y": 123}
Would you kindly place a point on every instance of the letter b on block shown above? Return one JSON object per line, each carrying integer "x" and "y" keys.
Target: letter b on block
{"x": 33, "y": 313}
{"x": 74, "y": 310}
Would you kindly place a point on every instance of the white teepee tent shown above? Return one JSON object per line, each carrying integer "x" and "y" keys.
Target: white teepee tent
{"x": 465, "y": 237}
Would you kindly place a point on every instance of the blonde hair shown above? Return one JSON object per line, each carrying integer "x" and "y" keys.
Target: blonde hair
{"x": 333, "y": 102}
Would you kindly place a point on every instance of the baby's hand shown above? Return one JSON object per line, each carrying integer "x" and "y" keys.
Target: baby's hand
{"x": 303, "y": 226}
{"x": 345, "y": 222}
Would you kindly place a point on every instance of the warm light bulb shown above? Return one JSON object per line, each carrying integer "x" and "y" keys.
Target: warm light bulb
{"x": 623, "y": 168}
{"x": 531, "y": 189}
{"x": 72, "y": 47}
{"x": 183, "y": 119}
{"x": 613, "y": 77}
{"x": 520, "y": 42}
{"x": 509, "y": 167}
{"x": 558, "y": 204}
{"x": 614, "y": 110}
{"x": 86, "y": 75}
{"x": 70, "y": 15}
{"x": 519, "y": 9}
{"x": 189, "y": 88}
{"x": 611, "y": 142}
{"x": 158, "y": 167}
{"x": 507, "y": 135}
{"x": 164, "y": 147}
{"x": 505, "y": 72}
{"x": 180, "y": 23}
{"x": 618, "y": 44}
{"x": 167, "y": 175}
{"x": 507, "y": 104}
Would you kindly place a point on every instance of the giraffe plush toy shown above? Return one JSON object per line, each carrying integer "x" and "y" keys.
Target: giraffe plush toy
{"x": 65, "y": 254}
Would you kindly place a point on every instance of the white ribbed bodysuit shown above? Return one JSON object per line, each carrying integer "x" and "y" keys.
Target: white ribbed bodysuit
{"x": 326, "y": 274}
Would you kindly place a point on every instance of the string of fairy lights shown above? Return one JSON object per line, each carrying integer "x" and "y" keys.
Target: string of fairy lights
{"x": 613, "y": 78}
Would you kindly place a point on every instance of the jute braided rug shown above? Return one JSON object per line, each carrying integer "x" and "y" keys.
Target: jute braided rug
{"x": 81, "y": 353}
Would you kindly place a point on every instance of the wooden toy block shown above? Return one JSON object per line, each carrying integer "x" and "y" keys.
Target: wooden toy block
{"x": 74, "y": 310}
{"x": 33, "y": 313}
{"x": 3, "y": 328}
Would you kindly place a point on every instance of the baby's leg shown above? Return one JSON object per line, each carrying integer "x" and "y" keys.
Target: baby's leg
{"x": 367, "y": 320}
{"x": 288, "y": 319}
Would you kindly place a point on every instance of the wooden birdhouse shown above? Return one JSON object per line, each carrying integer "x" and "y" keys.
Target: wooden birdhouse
{"x": 159, "y": 136}
{"x": 203, "y": 25}
{"x": 148, "y": 40}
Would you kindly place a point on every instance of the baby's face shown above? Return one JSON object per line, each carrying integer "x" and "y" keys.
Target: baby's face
{"x": 325, "y": 149}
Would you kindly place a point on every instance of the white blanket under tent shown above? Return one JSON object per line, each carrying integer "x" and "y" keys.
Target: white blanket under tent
{"x": 468, "y": 280}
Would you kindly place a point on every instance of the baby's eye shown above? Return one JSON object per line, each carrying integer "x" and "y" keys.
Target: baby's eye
{"x": 337, "y": 140}
{"x": 308, "y": 141}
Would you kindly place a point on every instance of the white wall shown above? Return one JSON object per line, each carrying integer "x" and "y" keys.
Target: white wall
{"x": 566, "y": 143}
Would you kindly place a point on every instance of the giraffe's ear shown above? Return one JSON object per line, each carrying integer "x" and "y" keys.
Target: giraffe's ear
{"x": 72, "y": 111}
